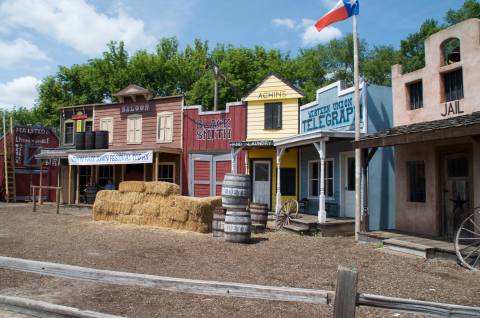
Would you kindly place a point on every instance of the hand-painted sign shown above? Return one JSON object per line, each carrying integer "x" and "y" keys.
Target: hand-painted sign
{"x": 272, "y": 95}
{"x": 79, "y": 116}
{"x": 28, "y": 141}
{"x": 110, "y": 158}
{"x": 135, "y": 108}
{"x": 214, "y": 129}
{"x": 452, "y": 108}
{"x": 330, "y": 112}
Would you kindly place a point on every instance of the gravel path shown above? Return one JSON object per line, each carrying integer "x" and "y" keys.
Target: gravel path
{"x": 280, "y": 259}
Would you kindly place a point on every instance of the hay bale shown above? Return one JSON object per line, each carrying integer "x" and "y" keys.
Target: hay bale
{"x": 108, "y": 195}
{"x": 146, "y": 209}
{"x": 164, "y": 202}
{"x": 199, "y": 209}
{"x": 176, "y": 214}
{"x": 132, "y": 186}
{"x": 162, "y": 188}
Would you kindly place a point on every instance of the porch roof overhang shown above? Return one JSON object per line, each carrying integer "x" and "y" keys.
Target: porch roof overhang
{"x": 306, "y": 139}
{"x": 460, "y": 126}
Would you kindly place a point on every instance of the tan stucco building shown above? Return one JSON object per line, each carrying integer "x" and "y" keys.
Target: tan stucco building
{"x": 436, "y": 134}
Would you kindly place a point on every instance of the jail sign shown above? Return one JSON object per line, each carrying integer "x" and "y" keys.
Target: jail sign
{"x": 331, "y": 111}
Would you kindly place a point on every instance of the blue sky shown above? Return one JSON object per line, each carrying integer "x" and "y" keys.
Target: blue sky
{"x": 38, "y": 36}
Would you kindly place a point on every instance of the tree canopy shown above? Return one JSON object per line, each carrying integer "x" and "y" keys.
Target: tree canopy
{"x": 170, "y": 70}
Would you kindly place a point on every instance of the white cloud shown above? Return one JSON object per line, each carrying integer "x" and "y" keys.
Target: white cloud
{"x": 312, "y": 37}
{"x": 76, "y": 23}
{"x": 288, "y": 23}
{"x": 14, "y": 52}
{"x": 20, "y": 92}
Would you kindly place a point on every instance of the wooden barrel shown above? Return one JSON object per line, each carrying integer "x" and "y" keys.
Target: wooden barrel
{"x": 237, "y": 226}
{"x": 89, "y": 140}
{"x": 79, "y": 140}
{"x": 259, "y": 213}
{"x": 235, "y": 191}
{"x": 218, "y": 221}
{"x": 101, "y": 139}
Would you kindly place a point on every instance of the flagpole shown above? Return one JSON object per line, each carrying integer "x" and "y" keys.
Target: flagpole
{"x": 357, "y": 128}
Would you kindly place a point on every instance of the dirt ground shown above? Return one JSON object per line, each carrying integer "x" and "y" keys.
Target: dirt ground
{"x": 275, "y": 258}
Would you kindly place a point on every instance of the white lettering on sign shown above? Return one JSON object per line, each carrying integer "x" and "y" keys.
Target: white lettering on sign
{"x": 214, "y": 129}
{"x": 135, "y": 108}
{"x": 272, "y": 94}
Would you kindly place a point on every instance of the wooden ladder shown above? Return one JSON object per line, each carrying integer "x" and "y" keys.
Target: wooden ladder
{"x": 9, "y": 157}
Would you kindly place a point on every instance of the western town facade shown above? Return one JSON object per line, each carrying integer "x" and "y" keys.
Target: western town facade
{"x": 144, "y": 142}
{"x": 435, "y": 134}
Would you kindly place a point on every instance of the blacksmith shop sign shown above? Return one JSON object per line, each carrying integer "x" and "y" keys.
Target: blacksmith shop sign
{"x": 214, "y": 129}
{"x": 135, "y": 108}
{"x": 331, "y": 112}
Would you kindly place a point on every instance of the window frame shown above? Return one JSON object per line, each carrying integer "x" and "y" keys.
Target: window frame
{"x": 85, "y": 124}
{"x": 411, "y": 105}
{"x": 166, "y": 163}
{"x": 309, "y": 187}
{"x": 110, "y": 133}
{"x": 129, "y": 120}
{"x": 410, "y": 198}
{"x": 159, "y": 116}
{"x": 268, "y": 122}
{"x": 69, "y": 121}
{"x": 444, "y": 82}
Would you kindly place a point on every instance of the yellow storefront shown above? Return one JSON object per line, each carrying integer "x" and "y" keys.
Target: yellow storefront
{"x": 272, "y": 114}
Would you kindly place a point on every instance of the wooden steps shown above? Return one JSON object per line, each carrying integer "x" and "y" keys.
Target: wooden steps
{"x": 406, "y": 247}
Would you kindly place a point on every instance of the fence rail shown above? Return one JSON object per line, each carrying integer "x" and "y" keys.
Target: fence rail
{"x": 347, "y": 299}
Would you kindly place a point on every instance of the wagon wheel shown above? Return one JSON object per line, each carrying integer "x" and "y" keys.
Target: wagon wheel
{"x": 467, "y": 241}
{"x": 288, "y": 211}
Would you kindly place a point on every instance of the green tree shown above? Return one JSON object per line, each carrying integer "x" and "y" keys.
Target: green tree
{"x": 470, "y": 9}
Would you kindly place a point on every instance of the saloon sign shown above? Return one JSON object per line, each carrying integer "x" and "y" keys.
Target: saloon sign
{"x": 214, "y": 129}
{"x": 135, "y": 108}
{"x": 329, "y": 113}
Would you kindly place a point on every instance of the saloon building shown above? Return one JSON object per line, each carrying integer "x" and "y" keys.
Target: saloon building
{"x": 436, "y": 134}
{"x": 144, "y": 142}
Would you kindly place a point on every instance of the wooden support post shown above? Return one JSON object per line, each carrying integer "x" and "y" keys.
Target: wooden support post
{"x": 345, "y": 293}
{"x": 278, "y": 196}
{"x": 34, "y": 201}
{"x": 41, "y": 182}
{"x": 365, "y": 216}
{"x": 77, "y": 188}
{"x": 58, "y": 200}
{"x": 144, "y": 172}
{"x": 5, "y": 157}
{"x": 123, "y": 173}
{"x": 69, "y": 184}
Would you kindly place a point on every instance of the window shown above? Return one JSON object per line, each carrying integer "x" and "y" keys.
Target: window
{"x": 68, "y": 133}
{"x": 107, "y": 124}
{"x": 453, "y": 84}
{"x": 88, "y": 125}
{"x": 134, "y": 129}
{"x": 288, "y": 178}
{"x": 105, "y": 173}
{"x": 314, "y": 178}
{"x": 273, "y": 116}
{"x": 164, "y": 126}
{"x": 416, "y": 181}
{"x": 166, "y": 172}
{"x": 416, "y": 95}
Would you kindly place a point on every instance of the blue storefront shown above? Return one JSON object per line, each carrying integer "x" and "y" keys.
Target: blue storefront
{"x": 325, "y": 140}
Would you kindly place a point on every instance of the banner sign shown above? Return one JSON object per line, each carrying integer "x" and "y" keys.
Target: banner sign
{"x": 110, "y": 158}
{"x": 331, "y": 112}
{"x": 214, "y": 129}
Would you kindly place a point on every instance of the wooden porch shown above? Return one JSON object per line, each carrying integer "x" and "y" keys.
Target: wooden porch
{"x": 308, "y": 224}
{"x": 414, "y": 244}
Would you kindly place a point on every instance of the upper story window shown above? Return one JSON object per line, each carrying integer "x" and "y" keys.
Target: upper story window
{"x": 165, "y": 127}
{"x": 106, "y": 123}
{"x": 88, "y": 125}
{"x": 68, "y": 133}
{"x": 273, "y": 116}
{"x": 134, "y": 129}
{"x": 453, "y": 85}
{"x": 451, "y": 51}
{"x": 415, "y": 91}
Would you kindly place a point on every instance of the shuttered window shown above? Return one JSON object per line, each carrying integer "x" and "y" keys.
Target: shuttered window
{"x": 273, "y": 116}
{"x": 134, "y": 129}
{"x": 164, "y": 127}
{"x": 107, "y": 125}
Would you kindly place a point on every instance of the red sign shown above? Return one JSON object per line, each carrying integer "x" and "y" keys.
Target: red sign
{"x": 80, "y": 116}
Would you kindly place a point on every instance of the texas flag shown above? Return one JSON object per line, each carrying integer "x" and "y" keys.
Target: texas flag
{"x": 343, "y": 10}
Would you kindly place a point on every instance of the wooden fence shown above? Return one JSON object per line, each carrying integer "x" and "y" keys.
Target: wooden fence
{"x": 347, "y": 299}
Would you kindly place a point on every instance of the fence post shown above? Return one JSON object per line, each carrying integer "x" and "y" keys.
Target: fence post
{"x": 345, "y": 293}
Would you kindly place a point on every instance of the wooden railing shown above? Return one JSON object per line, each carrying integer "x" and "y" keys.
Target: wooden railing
{"x": 40, "y": 188}
{"x": 347, "y": 299}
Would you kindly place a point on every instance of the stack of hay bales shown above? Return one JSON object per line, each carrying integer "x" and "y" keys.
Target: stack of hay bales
{"x": 155, "y": 203}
